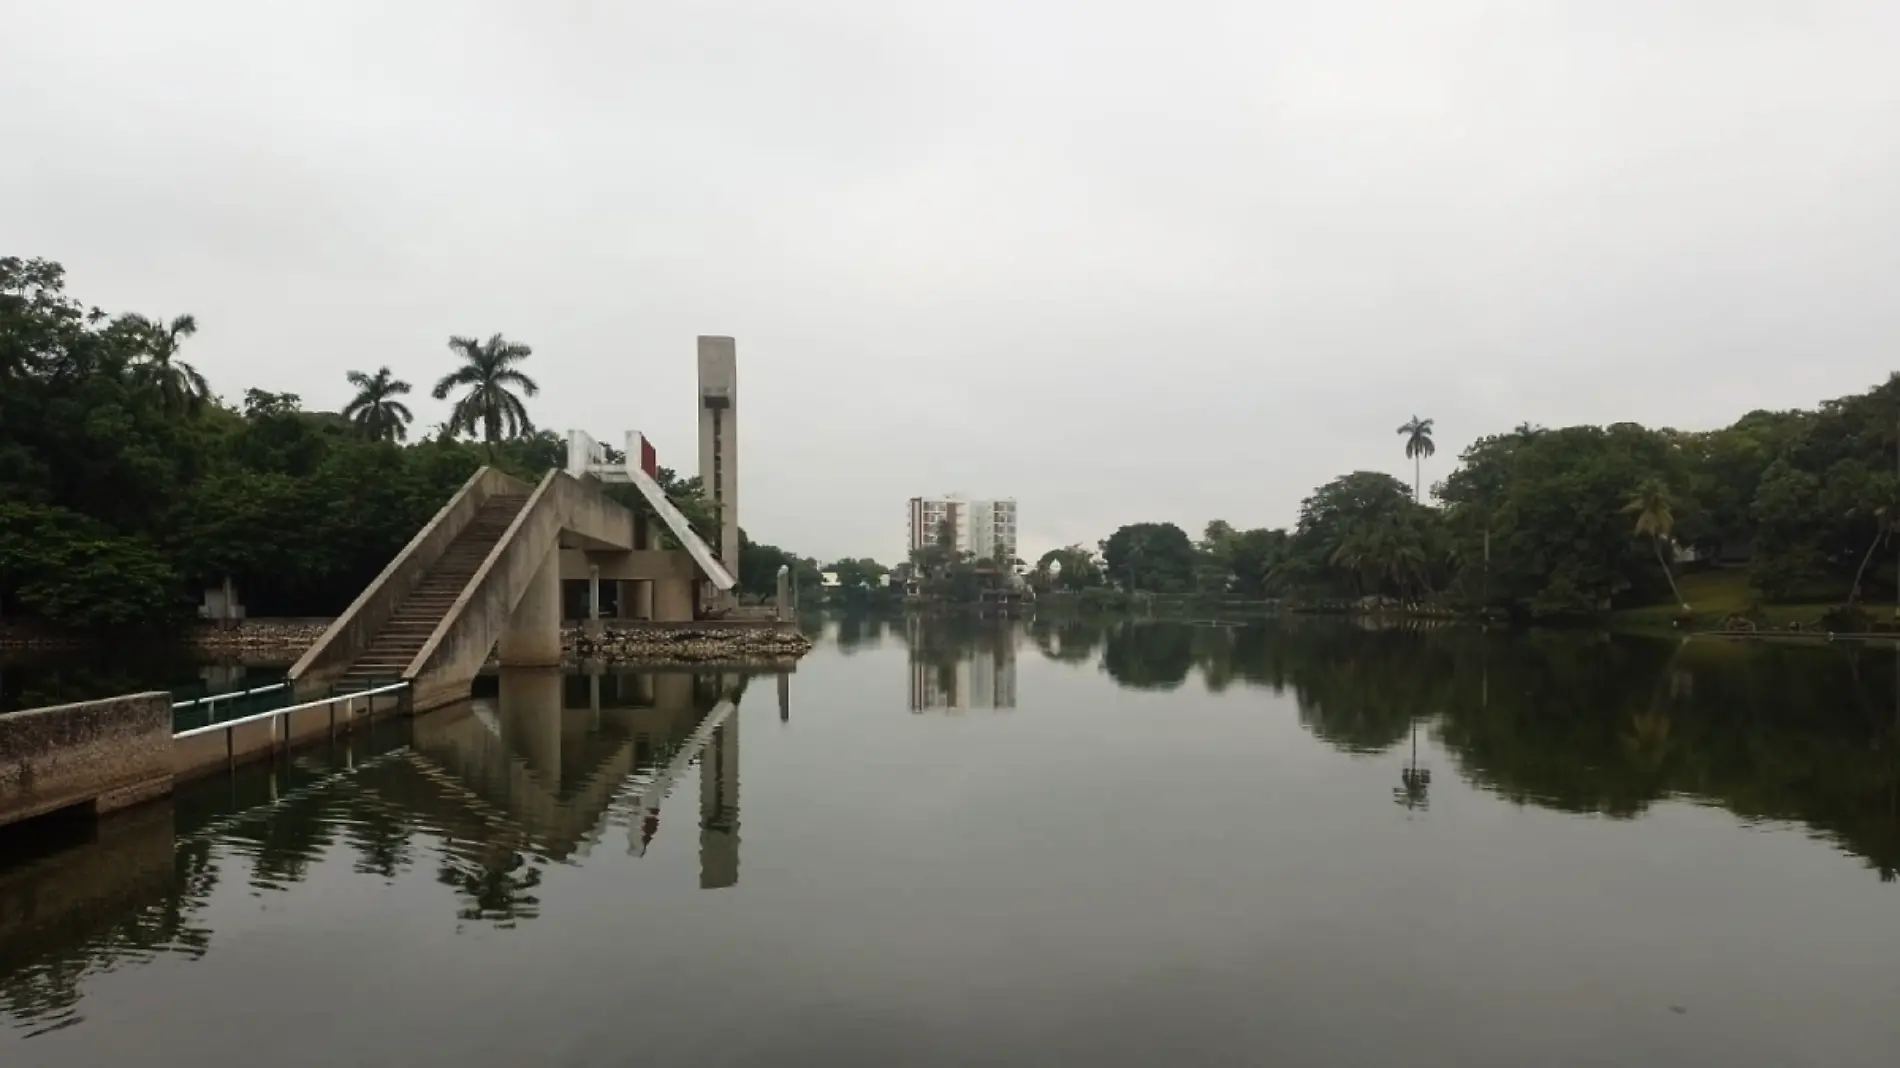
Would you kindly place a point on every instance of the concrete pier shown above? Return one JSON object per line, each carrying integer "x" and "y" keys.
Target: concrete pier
{"x": 104, "y": 754}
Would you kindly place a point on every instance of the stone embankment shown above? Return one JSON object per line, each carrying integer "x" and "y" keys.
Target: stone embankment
{"x": 687, "y": 643}
{"x": 290, "y": 636}
{"x": 286, "y": 636}
{"x": 286, "y": 639}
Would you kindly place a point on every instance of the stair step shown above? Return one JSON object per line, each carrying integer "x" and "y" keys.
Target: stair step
{"x": 397, "y": 644}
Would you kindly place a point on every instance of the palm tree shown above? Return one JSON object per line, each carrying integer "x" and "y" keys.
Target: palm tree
{"x": 1655, "y": 519}
{"x": 1881, "y": 531}
{"x": 488, "y": 369}
{"x": 179, "y": 385}
{"x": 375, "y": 411}
{"x": 1418, "y": 446}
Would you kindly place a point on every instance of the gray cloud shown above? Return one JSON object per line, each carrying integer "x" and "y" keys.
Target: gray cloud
{"x": 1122, "y": 261}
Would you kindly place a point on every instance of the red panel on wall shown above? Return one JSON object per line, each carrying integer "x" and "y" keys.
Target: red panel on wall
{"x": 649, "y": 460}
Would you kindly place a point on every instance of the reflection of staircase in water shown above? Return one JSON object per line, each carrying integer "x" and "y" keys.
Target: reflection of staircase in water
{"x": 551, "y": 783}
{"x": 639, "y": 805}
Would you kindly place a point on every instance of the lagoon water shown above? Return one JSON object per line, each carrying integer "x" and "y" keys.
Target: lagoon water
{"x": 953, "y": 843}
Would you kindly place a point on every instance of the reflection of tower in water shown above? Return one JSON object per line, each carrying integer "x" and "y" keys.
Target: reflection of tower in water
{"x": 719, "y": 808}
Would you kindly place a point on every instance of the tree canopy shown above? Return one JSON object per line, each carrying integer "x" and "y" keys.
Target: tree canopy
{"x": 127, "y": 486}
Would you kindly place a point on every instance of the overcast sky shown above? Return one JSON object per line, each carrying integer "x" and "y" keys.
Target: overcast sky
{"x": 1120, "y": 261}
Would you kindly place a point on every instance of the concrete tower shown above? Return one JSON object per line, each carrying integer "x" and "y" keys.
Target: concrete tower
{"x": 719, "y": 440}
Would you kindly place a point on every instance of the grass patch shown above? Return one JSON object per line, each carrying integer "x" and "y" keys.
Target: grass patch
{"x": 1713, "y": 597}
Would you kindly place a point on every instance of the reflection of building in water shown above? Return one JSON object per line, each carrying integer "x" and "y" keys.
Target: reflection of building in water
{"x": 986, "y": 678}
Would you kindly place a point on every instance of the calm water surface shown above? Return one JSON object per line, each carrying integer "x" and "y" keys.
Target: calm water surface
{"x": 954, "y": 844}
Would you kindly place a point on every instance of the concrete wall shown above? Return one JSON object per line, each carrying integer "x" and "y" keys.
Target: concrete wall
{"x": 352, "y": 632}
{"x": 110, "y": 753}
{"x": 561, "y": 508}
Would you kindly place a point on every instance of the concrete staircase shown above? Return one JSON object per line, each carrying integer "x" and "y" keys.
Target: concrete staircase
{"x": 395, "y": 646}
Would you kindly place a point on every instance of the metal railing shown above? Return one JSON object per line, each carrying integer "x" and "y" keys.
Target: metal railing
{"x": 228, "y": 695}
{"x": 282, "y": 736}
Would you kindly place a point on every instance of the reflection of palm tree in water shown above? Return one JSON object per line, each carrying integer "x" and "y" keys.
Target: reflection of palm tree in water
{"x": 1415, "y": 783}
{"x": 1646, "y": 742}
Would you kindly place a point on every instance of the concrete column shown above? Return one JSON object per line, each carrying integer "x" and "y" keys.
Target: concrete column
{"x": 533, "y": 635}
{"x": 593, "y": 600}
{"x": 672, "y": 600}
{"x": 719, "y": 440}
{"x": 642, "y": 598}
{"x": 784, "y": 601}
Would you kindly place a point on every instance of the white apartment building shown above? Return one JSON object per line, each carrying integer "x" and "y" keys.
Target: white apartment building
{"x": 984, "y": 529}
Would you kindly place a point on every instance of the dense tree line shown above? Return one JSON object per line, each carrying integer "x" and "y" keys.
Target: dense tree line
{"x": 1552, "y": 522}
{"x": 127, "y": 486}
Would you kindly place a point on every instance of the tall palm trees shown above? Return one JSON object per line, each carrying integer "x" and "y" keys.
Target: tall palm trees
{"x": 490, "y": 373}
{"x": 1656, "y": 519}
{"x": 375, "y": 410}
{"x": 1418, "y": 446}
{"x": 179, "y": 386}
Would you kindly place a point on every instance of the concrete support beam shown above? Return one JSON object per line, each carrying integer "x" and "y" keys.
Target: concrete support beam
{"x": 532, "y": 637}
{"x": 593, "y": 601}
{"x": 672, "y": 600}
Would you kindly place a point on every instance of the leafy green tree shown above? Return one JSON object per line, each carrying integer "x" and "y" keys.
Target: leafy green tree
{"x": 1548, "y": 505}
{"x": 759, "y": 564}
{"x": 1352, "y": 530}
{"x": 71, "y": 570}
{"x": 1259, "y": 562}
{"x": 1150, "y": 556}
{"x": 1071, "y": 568}
{"x": 489, "y": 377}
{"x": 1418, "y": 448}
{"x": 375, "y": 410}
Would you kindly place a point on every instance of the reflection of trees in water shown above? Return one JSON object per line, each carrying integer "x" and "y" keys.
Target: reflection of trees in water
{"x": 1070, "y": 641}
{"x": 42, "y": 975}
{"x": 1149, "y": 656}
{"x": 859, "y": 630}
{"x": 1359, "y": 690}
{"x": 1569, "y": 720}
{"x": 52, "y": 678}
{"x": 947, "y": 640}
{"x": 496, "y": 889}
